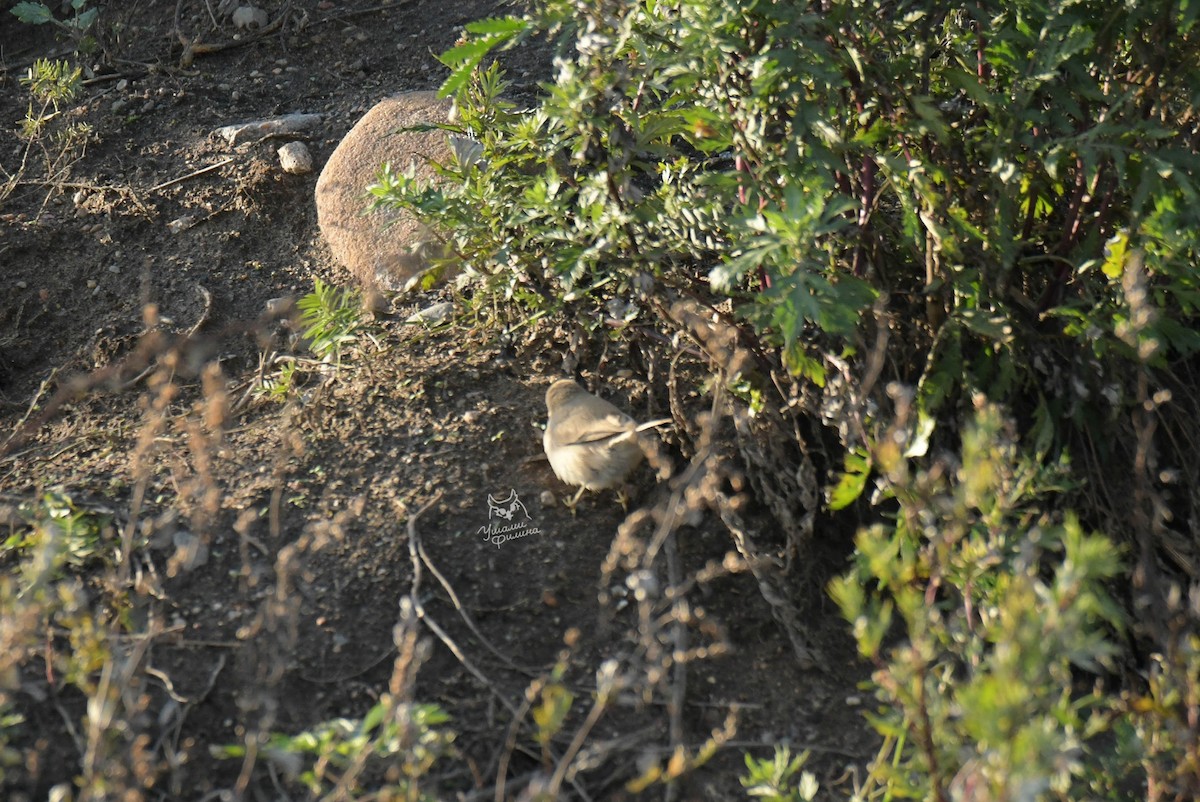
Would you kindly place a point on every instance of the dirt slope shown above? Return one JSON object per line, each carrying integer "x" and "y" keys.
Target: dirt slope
{"x": 300, "y": 512}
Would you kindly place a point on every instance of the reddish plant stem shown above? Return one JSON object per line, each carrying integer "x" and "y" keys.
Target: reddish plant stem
{"x": 866, "y": 199}
{"x": 1073, "y": 205}
{"x": 926, "y": 736}
{"x": 742, "y": 167}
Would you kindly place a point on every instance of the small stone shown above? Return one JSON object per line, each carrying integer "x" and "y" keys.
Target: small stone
{"x": 114, "y": 268}
{"x": 91, "y": 284}
{"x": 279, "y": 307}
{"x": 190, "y": 553}
{"x": 433, "y": 315}
{"x": 249, "y": 17}
{"x": 471, "y": 417}
{"x": 22, "y": 285}
{"x": 295, "y": 158}
{"x": 181, "y": 223}
{"x": 547, "y": 499}
{"x": 119, "y": 104}
{"x": 122, "y": 85}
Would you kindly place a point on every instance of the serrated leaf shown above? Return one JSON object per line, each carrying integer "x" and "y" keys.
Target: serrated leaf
{"x": 463, "y": 59}
{"x": 471, "y": 52}
{"x": 724, "y": 276}
{"x": 842, "y": 303}
{"x": 504, "y": 26}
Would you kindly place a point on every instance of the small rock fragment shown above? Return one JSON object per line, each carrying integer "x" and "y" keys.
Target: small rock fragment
{"x": 287, "y": 124}
{"x": 249, "y": 16}
{"x": 280, "y": 307}
{"x": 181, "y": 223}
{"x": 190, "y": 553}
{"x": 295, "y": 158}
{"x": 432, "y": 315}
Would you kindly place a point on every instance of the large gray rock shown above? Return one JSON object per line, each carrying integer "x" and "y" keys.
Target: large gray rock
{"x": 380, "y": 255}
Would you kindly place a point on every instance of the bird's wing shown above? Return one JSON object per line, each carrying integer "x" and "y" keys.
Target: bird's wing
{"x": 599, "y": 429}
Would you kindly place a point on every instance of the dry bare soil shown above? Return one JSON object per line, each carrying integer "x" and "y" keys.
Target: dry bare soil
{"x": 266, "y": 545}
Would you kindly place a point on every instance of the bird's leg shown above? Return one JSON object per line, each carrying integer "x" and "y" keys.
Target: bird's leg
{"x": 570, "y": 505}
{"x": 624, "y": 497}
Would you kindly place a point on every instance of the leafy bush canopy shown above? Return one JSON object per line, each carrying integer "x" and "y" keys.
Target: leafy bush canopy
{"x": 995, "y": 206}
{"x": 997, "y": 169}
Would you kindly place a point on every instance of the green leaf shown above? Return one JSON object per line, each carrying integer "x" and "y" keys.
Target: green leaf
{"x": 851, "y": 483}
{"x": 463, "y": 59}
{"x": 32, "y": 13}
{"x": 552, "y": 712}
{"x": 799, "y": 363}
{"x": 84, "y": 20}
{"x": 842, "y": 303}
{"x": 498, "y": 26}
{"x": 469, "y": 53}
{"x": 995, "y": 327}
{"x": 374, "y": 717}
{"x": 1114, "y": 254}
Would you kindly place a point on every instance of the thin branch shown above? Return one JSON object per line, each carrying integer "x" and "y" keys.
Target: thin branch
{"x": 193, "y": 174}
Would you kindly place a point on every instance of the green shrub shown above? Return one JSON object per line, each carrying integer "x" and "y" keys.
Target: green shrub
{"x": 986, "y": 173}
{"x": 401, "y": 740}
{"x": 975, "y": 202}
{"x": 1002, "y": 605}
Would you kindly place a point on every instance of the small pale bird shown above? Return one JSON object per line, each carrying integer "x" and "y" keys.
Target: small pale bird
{"x": 589, "y": 442}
